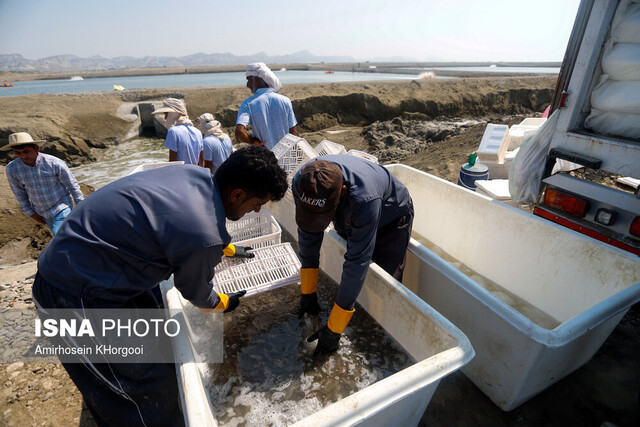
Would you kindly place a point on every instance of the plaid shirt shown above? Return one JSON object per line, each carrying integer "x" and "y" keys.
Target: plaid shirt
{"x": 45, "y": 188}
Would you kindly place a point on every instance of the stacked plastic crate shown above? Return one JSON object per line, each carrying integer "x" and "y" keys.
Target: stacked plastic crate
{"x": 327, "y": 147}
{"x": 363, "y": 155}
{"x": 275, "y": 264}
{"x": 292, "y": 153}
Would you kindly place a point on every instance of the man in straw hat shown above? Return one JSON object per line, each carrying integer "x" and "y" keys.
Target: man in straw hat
{"x": 217, "y": 144}
{"x": 369, "y": 208}
{"x": 183, "y": 140}
{"x": 269, "y": 113}
{"x": 126, "y": 238}
{"x": 43, "y": 184}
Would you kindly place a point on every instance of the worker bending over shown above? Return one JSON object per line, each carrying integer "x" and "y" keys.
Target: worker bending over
{"x": 369, "y": 208}
{"x": 128, "y": 236}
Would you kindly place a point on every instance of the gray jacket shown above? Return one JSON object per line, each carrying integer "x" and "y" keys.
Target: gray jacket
{"x": 374, "y": 199}
{"x": 135, "y": 232}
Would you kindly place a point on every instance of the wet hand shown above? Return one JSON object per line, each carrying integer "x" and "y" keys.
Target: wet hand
{"x": 233, "y": 251}
{"x": 234, "y": 300}
{"x": 308, "y": 304}
{"x": 243, "y": 252}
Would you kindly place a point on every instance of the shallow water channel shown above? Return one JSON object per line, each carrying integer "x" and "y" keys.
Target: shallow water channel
{"x": 119, "y": 160}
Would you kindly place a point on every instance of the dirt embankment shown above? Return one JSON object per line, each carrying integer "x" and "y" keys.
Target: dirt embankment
{"x": 75, "y": 124}
{"x": 399, "y": 121}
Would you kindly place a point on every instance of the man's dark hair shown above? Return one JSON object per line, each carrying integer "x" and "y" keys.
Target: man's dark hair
{"x": 255, "y": 170}
{"x": 26, "y": 146}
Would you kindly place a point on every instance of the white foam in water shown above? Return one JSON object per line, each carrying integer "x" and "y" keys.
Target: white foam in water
{"x": 269, "y": 376}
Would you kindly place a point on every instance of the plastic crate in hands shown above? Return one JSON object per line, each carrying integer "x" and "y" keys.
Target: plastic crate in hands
{"x": 292, "y": 152}
{"x": 272, "y": 267}
{"x": 329, "y": 147}
{"x": 255, "y": 229}
{"x": 363, "y": 155}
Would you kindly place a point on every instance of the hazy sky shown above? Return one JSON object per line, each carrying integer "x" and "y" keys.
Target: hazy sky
{"x": 456, "y": 30}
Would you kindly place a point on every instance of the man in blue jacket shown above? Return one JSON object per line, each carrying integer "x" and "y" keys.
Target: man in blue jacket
{"x": 124, "y": 239}
{"x": 371, "y": 209}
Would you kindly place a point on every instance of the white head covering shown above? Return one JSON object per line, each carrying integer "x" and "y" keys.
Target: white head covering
{"x": 210, "y": 126}
{"x": 177, "y": 112}
{"x": 260, "y": 69}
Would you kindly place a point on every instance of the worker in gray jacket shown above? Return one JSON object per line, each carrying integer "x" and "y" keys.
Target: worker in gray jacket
{"x": 127, "y": 237}
{"x": 371, "y": 209}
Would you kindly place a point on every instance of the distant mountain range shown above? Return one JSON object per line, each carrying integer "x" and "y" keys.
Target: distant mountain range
{"x": 59, "y": 63}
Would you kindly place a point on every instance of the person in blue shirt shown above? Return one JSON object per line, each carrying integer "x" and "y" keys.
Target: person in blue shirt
{"x": 270, "y": 114}
{"x": 128, "y": 236}
{"x": 370, "y": 209}
{"x": 183, "y": 140}
{"x": 217, "y": 144}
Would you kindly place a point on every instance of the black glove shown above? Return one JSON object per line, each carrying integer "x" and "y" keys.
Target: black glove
{"x": 234, "y": 300}
{"x": 308, "y": 304}
{"x": 328, "y": 341}
{"x": 243, "y": 252}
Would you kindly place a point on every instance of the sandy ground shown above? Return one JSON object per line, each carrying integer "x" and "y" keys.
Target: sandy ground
{"x": 431, "y": 125}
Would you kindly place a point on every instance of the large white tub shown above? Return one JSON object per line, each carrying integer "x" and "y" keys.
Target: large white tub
{"x": 584, "y": 285}
{"x": 401, "y": 399}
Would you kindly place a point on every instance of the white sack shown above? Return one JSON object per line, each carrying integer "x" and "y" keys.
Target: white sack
{"x": 616, "y": 96}
{"x": 626, "y": 24}
{"x": 525, "y": 174}
{"x": 616, "y": 124}
{"x": 621, "y": 61}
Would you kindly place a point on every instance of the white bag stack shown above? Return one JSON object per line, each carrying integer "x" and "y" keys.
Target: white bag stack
{"x": 615, "y": 102}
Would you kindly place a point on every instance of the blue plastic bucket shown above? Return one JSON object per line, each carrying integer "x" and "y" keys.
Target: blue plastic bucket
{"x": 470, "y": 174}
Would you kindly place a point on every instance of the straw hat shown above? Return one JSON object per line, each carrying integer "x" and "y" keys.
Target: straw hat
{"x": 20, "y": 138}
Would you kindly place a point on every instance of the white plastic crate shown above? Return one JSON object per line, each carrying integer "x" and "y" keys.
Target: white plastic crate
{"x": 533, "y": 121}
{"x": 495, "y": 188}
{"x": 292, "y": 152}
{"x": 494, "y": 143}
{"x": 255, "y": 229}
{"x": 329, "y": 147}
{"x": 272, "y": 267}
{"x": 519, "y": 133}
{"x": 363, "y": 155}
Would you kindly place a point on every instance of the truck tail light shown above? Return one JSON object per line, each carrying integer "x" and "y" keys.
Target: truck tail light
{"x": 565, "y": 202}
{"x": 635, "y": 226}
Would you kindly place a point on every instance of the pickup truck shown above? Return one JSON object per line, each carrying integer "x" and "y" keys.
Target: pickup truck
{"x": 598, "y": 98}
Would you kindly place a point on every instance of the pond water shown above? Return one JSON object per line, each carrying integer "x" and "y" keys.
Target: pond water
{"x": 269, "y": 375}
{"x": 119, "y": 160}
{"x": 185, "y": 80}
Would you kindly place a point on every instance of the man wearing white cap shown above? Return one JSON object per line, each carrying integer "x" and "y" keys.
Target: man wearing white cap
{"x": 43, "y": 184}
{"x": 217, "y": 144}
{"x": 184, "y": 141}
{"x": 269, "y": 113}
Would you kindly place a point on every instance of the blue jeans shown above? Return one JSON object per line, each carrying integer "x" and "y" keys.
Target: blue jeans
{"x": 55, "y": 222}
